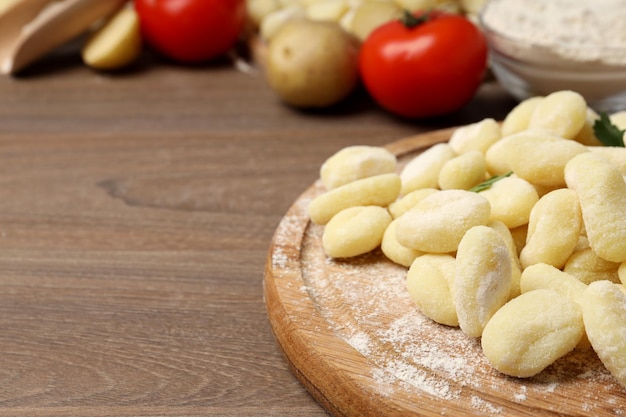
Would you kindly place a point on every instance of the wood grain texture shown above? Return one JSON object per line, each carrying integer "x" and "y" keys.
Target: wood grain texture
{"x": 136, "y": 211}
{"x": 355, "y": 339}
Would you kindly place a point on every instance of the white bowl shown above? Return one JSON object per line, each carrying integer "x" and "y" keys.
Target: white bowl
{"x": 530, "y": 68}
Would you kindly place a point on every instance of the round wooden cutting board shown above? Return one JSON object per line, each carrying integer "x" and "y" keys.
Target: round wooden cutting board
{"x": 354, "y": 339}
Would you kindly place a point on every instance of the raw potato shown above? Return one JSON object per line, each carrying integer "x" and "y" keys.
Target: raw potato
{"x": 354, "y": 163}
{"x": 438, "y": 223}
{"x": 532, "y": 331}
{"x": 355, "y": 231}
{"x": 483, "y": 278}
{"x": 308, "y": 74}
{"x": 115, "y": 45}
{"x": 604, "y": 315}
{"x": 429, "y": 283}
{"x": 379, "y": 190}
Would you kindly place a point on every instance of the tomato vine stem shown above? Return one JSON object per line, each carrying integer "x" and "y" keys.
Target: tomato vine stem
{"x": 409, "y": 20}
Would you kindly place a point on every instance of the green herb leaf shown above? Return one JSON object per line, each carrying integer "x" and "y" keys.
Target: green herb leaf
{"x": 487, "y": 184}
{"x": 607, "y": 132}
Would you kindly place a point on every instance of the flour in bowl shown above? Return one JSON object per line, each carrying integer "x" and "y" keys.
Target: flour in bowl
{"x": 577, "y": 30}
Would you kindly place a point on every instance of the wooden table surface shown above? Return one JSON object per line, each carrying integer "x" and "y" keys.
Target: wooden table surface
{"x": 136, "y": 211}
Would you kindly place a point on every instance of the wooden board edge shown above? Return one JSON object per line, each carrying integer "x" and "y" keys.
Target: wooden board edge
{"x": 294, "y": 342}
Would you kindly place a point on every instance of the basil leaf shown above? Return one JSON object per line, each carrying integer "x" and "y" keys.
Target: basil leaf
{"x": 607, "y": 132}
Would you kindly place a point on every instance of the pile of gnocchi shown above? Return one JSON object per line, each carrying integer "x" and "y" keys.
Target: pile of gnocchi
{"x": 515, "y": 232}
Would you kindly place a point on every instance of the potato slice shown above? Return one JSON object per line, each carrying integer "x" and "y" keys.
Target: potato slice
{"x": 368, "y": 16}
{"x": 4, "y": 4}
{"x": 116, "y": 44}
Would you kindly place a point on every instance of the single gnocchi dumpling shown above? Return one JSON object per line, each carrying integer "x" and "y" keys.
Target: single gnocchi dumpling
{"x": 438, "y": 223}
{"x": 355, "y": 231}
{"x": 544, "y": 276}
{"x": 429, "y": 282}
{"x": 496, "y": 156}
{"x": 562, "y": 113}
{"x": 354, "y": 163}
{"x": 587, "y": 135}
{"x": 477, "y": 136}
{"x": 518, "y": 118}
{"x": 553, "y": 229}
{"x": 380, "y": 190}
{"x": 423, "y": 170}
{"x": 615, "y": 155}
{"x": 394, "y": 251}
{"x": 586, "y": 266}
{"x": 483, "y": 278}
{"x": 602, "y": 193}
{"x": 407, "y": 202}
{"x": 604, "y": 315}
{"x": 531, "y": 332}
{"x": 511, "y": 199}
{"x": 463, "y": 172}
{"x": 539, "y": 157}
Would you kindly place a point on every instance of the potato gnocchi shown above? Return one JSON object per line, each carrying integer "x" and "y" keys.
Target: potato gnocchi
{"x": 513, "y": 232}
{"x": 532, "y": 331}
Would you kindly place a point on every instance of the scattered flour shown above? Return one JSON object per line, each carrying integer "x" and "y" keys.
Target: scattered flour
{"x": 485, "y": 406}
{"x": 365, "y": 302}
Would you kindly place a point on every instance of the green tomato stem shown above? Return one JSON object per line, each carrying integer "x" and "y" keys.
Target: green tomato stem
{"x": 409, "y": 20}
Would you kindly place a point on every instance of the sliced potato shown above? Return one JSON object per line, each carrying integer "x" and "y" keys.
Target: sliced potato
{"x": 116, "y": 44}
{"x": 368, "y": 16}
{"x": 4, "y": 4}
{"x": 327, "y": 10}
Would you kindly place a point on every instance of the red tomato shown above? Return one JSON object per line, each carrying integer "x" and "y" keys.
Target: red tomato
{"x": 430, "y": 69}
{"x": 191, "y": 31}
